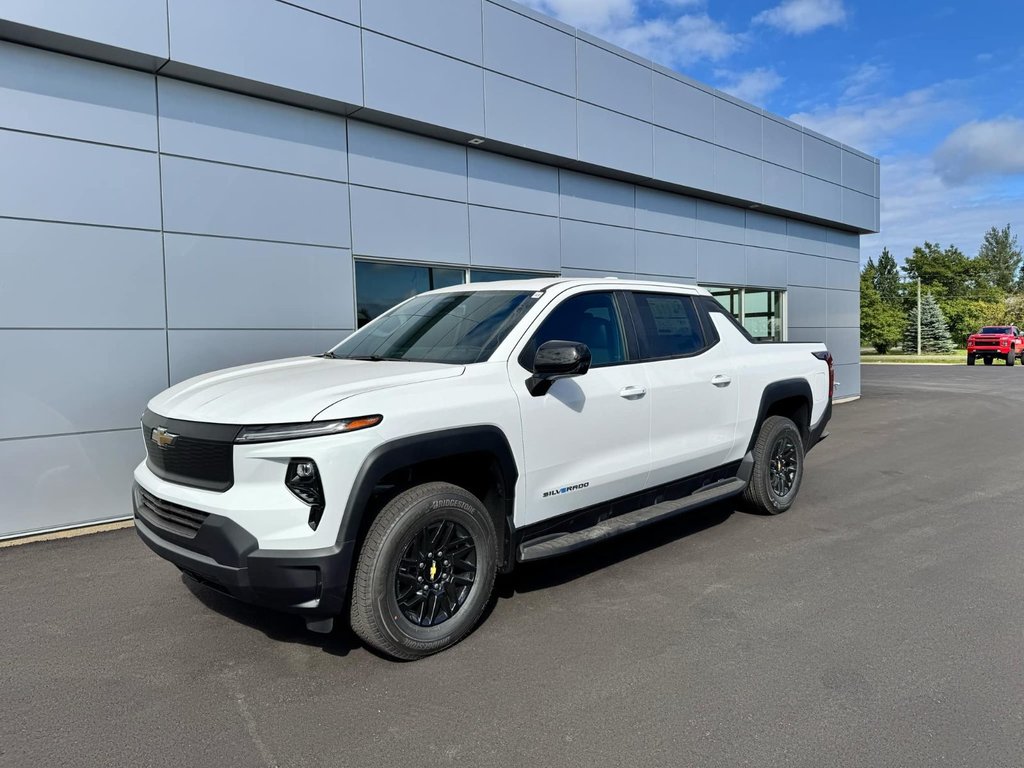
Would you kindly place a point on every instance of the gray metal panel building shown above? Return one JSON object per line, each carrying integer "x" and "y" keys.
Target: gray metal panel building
{"x": 193, "y": 184}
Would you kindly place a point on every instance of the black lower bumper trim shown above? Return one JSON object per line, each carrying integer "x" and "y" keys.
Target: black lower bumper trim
{"x": 818, "y": 430}
{"x": 311, "y": 582}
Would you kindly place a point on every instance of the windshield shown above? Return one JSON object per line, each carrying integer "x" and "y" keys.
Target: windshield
{"x": 995, "y": 329}
{"x": 457, "y": 328}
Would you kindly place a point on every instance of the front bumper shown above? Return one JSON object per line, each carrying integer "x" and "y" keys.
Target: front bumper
{"x": 226, "y": 557}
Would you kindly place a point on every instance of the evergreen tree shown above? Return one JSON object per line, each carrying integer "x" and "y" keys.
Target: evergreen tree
{"x": 1001, "y": 258}
{"x": 887, "y": 278}
{"x": 935, "y": 336}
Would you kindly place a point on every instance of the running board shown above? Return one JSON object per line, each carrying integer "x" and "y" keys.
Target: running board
{"x": 561, "y": 543}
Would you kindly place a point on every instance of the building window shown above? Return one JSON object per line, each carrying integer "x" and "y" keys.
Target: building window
{"x": 758, "y": 310}
{"x": 382, "y": 285}
{"x": 489, "y": 275}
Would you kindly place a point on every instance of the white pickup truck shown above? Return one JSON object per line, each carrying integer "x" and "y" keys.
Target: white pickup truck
{"x": 462, "y": 432}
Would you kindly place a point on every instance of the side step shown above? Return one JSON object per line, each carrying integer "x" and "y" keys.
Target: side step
{"x": 561, "y": 543}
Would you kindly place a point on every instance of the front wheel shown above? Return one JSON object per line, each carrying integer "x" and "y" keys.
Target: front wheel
{"x": 425, "y": 571}
{"x": 1011, "y": 358}
{"x": 778, "y": 467}
{"x": 970, "y": 359}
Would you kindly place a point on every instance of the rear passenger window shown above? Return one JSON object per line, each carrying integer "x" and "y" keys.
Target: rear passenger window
{"x": 669, "y": 325}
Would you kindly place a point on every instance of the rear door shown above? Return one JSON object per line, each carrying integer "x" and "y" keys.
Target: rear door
{"x": 587, "y": 440}
{"x": 693, "y": 393}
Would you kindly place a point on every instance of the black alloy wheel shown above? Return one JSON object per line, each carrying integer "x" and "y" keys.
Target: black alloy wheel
{"x": 436, "y": 573}
{"x": 425, "y": 571}
{"x": 778, "y": 455}
{"x": 783, "y": 465}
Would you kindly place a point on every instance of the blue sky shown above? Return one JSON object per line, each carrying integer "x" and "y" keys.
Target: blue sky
{"x": 934, "y": 89}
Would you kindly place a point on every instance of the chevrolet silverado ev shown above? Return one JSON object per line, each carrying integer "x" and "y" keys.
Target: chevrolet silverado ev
{"x": 465, "y": 431}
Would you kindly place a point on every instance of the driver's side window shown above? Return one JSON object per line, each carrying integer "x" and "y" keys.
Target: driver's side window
{"x": 590, "y": 318}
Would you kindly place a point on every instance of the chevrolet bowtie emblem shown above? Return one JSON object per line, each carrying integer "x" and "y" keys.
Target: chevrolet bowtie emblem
{"x": 162, "y": 437}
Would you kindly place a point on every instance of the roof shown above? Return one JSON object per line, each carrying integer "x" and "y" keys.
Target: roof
{"x": 544, "y": 283}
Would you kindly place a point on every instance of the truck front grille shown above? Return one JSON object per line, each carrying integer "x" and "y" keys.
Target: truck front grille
{"x": 190, "y": 453}
{"x": 183, "y": 521}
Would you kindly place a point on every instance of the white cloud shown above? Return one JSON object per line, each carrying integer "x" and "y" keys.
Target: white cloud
{"x": 587, "y": 13}
{"x": 863, "y": 80}
{"x": 677, "y": 33}
{"x": 753, "y": 85}
{"x": 801, "y": 17}
{"x": 871, "y": 123}
{"x": 917, "y": 206}
{"x": 982, "y": 148}
{"x": 675, "y": 42}
{"x": 918, "y": 202}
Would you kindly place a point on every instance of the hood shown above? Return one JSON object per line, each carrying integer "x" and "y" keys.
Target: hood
{"x": 282, "y": 391}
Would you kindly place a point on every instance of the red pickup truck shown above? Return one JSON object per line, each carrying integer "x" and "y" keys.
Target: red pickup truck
{"x": 1003, "y": 341}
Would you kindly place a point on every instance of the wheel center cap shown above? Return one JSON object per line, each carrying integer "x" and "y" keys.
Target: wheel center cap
{"x": 433, "y": 570}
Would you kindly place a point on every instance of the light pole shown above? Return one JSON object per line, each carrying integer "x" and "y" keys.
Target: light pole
{"x": 919, "y": 316}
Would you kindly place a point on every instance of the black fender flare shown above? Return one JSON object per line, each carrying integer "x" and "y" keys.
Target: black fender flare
{"x": 406, "y": 451}
{"x": 775, "y": 392}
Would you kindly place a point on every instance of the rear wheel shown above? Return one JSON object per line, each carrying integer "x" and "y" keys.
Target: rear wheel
{"x": 970, "y": 359}
{"x": 778, "y": 467}
{"x": 425, "y": 571}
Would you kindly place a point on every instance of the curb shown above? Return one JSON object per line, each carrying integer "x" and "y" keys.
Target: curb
{"x": 66, "y": 533}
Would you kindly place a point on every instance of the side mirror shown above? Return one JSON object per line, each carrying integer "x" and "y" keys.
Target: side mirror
{"x": 557, "y": 360}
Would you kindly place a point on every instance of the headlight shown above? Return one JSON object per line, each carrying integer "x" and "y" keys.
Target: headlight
{"x": 266, "y": 433}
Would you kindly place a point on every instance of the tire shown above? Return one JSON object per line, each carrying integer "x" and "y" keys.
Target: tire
{"x": 1011, "y": 358}
{"x": 988, "y": 361}
{"x": 387, "y": 611}
{"x": 760, "y": 495}
{"x": 970, "y": 359}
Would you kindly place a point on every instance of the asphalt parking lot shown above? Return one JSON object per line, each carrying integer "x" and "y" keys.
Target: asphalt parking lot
{"x": 879, "y": 622}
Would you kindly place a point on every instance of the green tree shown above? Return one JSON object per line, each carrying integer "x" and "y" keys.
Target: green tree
{"x": 949, "y": 273}
{"x": 966, "y": 316}
{"x": 1000, "y": 258}
{"x": 934, "y": 329}
{"x": 887, "y": 278}
{"x": 1013, "y": 311}
{"x": 881, "y": 323}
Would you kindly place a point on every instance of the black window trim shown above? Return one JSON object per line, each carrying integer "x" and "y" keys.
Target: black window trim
{"x": 630, "y": 335}
{"x": 708, "y": 331}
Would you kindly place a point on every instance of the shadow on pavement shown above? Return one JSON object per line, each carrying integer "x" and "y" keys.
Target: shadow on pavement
{"x": 561, "y": 570}
{"x": 277, "y": 625}
{"x": 289, "y": 628}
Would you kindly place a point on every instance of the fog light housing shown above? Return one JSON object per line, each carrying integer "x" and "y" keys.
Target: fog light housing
{"x": 303, "y": 480}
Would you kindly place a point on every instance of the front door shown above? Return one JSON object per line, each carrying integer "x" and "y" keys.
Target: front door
{"x": 587, "y": 440}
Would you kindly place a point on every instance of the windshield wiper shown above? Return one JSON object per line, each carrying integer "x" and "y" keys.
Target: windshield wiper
{"x": 372, "y": 358}
{"x": 329, "y": 355}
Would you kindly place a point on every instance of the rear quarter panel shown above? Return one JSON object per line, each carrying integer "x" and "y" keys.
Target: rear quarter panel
{"x": 759, "y": 365}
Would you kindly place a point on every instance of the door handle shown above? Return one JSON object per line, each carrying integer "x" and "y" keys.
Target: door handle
{"x": 632, "y": 393}
{"x": 721, "y": 380}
